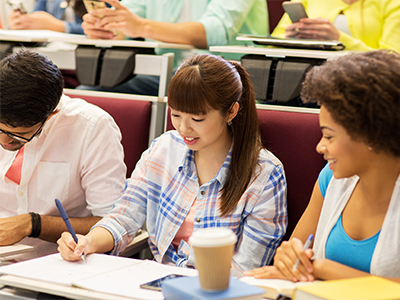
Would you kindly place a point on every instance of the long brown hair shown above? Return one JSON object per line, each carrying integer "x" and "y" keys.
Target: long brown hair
{"x": 206, "y": 82}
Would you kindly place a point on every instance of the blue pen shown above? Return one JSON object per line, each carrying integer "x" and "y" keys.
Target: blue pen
{"x": 306, "y": 245}
{"x": 64, "y": 216}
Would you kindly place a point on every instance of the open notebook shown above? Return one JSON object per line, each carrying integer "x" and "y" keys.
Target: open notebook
{"x": 106, "y": 274}
{"x": 275, "y": 287}
{"x": 292, "y": 42}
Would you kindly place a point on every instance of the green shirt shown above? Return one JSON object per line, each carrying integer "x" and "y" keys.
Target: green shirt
{"x": 222, "y": 19}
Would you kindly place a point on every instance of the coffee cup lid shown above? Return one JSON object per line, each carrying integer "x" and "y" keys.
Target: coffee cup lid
{"x": 212, "y": 237}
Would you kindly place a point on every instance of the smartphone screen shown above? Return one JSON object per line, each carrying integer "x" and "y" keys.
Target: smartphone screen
{"x": 155, "y": 285}
{"x": 93, "y": 4}
{"x": 295, "y": 10}
{"x": 17, "y": 6}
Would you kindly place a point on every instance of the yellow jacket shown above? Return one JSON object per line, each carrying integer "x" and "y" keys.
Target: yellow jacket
{"x": 374, "y": 24}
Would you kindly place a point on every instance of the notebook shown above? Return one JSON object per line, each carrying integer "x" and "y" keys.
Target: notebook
{"x": 14, "y": 249}
{"x": 365, "y": 288}
{"x": 106, "y": 274}
{"x": 274, "y": 287}
{"x": 292, "y": 42}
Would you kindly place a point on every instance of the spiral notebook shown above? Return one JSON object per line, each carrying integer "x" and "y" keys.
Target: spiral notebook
{"x": 292, "y": 42}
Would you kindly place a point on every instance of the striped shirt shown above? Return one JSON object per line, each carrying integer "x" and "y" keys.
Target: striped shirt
{"x": 164, "y": 186}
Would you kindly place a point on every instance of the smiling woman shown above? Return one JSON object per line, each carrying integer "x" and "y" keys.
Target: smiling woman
{"x": 211, "y": 172}
{"x": 359, "y": 96}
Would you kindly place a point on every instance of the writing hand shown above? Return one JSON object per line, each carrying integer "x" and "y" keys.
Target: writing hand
{"x": 70, "y": 250}
{"x": 286, "y": 257}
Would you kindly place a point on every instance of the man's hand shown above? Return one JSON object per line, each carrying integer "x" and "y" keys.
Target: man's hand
{"x": 93, "y": 30}
{"x": 14, "y": 229}
{"x": 117, "y": 22}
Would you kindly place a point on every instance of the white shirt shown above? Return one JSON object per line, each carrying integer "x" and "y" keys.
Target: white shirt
{"x": 78, "y": 158}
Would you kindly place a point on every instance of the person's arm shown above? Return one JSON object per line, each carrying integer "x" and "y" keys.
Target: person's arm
{"x": 35, "y": 20}
{"x": 129, "y": 24}
{"x": 266, "y": 224}
{"x": 220, "y": 22}
{"x": 14, "y": 229}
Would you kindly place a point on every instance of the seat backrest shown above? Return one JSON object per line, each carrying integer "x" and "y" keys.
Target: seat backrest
{"x": 133, "y": 119}
{"x": 292, "y": 136}
{"x": 275, "y": 13}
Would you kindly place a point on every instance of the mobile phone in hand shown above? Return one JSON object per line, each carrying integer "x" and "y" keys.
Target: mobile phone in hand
{"x": 295, "y": 10}
{"x": 94, "y": 4}
{"x": 17, "y": 6}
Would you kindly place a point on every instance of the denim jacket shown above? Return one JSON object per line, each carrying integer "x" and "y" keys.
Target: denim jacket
{"x": 53, "y": 8}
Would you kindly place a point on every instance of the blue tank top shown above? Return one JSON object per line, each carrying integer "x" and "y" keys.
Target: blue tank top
{"x": 343, "y": 249}
{"x": 324, "y": 178}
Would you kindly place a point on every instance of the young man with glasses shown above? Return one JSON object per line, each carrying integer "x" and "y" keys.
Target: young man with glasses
{"x": 52, "y": 146}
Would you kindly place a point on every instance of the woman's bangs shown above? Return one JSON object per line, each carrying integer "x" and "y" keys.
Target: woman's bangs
{"x": 187, "y": 93}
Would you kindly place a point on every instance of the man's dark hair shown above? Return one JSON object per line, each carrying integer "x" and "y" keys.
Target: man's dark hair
{"x": 31, "y": 86}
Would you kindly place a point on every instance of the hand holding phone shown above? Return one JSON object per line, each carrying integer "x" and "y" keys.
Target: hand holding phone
{"x": 17, "y": 7}
{"x": 295, "y": 10}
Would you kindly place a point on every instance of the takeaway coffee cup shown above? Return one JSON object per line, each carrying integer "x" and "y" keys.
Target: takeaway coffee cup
{"x": 213, "y": 250}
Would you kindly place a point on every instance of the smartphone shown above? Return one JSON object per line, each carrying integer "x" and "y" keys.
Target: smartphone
{"x": 94, "y": 4}
{"x": 155, "y": 285}
{"x": 295, "y": 10}
{"x": 17, "y": 7}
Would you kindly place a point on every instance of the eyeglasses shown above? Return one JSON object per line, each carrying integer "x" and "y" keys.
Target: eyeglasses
{"x": 22, "y": 139}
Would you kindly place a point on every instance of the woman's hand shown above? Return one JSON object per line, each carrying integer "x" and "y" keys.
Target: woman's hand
{"x": 286, "y": 257}
{"x": 35, "y": 20}
{"x": 14, "y": 19}
{"x": 71, "y": 251}
{"x": 319, "y": 28}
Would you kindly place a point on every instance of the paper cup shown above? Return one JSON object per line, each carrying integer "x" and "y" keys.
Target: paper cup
{"x": 213, "y": 250}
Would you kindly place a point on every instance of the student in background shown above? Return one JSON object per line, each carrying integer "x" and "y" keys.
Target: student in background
{"x": 211, "y": 172}
{"x": 56, "y": 15}
{"x": 356, "y": 226}
{"x": 52, "y": 146}
{"x": 360, "y": 25}
{"x": 201, "y": 23}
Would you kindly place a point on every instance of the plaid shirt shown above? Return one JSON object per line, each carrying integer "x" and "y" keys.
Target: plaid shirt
{"x": 163, "y": 187}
